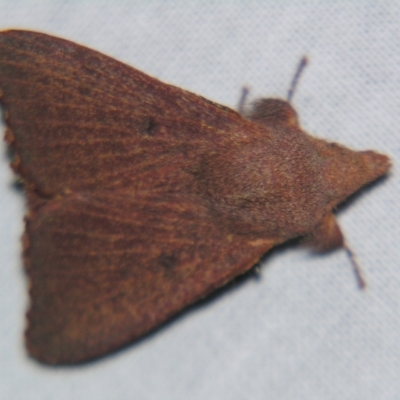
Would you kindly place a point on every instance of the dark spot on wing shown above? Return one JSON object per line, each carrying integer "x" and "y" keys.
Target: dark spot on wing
{"x": 168, "y": 261}
{"x": 149, "y": 126}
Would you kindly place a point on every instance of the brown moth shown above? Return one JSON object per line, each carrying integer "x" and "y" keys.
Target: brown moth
{"x": 144, "y": 198}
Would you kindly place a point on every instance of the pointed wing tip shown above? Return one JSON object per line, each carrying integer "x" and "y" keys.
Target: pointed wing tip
{"x": 53, "y": 350}
{"x": 36, "y": 342}
{"x": 36, "y": 349}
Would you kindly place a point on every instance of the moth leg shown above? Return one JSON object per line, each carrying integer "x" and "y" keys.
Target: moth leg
{"x": 327, "y": 236}
{"x": 242, "y": 100}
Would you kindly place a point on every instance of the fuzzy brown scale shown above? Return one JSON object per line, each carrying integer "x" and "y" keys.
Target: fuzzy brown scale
{"x": 144, "y": 198}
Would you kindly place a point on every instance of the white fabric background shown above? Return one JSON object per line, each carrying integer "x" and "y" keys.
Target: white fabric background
{"x": 302, "y": 330}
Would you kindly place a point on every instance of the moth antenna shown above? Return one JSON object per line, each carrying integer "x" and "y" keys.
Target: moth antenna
{"x": 300, "y": 67}
{"x": 242, "y": 100}
{"x": 362, "y": 284}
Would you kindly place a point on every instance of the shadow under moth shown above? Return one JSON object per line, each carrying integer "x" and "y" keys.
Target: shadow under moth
{"x": 143, "y": 198}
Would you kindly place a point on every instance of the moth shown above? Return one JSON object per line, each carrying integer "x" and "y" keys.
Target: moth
{"x": 144, "y": 198}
